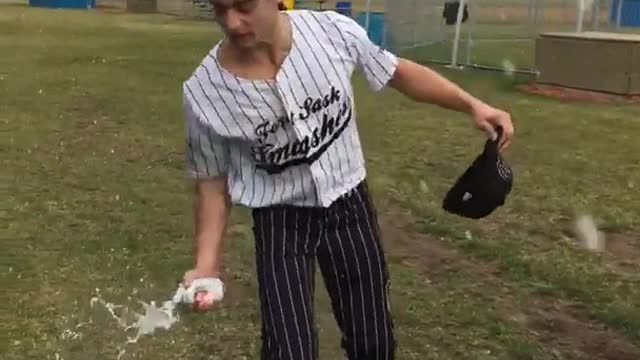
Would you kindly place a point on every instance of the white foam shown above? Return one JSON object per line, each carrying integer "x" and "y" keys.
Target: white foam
{"x": 509, "y": 67}
{"x": 424, "y": 187}
{"x": 70, "y": 334}
{"x": 588, "y": 234}
{"x": 154, "y": 317}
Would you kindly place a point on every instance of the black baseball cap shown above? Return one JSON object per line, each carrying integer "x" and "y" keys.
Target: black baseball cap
{"x": 483, "y": 187}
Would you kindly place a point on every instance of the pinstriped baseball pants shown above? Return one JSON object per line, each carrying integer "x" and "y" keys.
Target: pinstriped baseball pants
{"x": 344, "y": 240}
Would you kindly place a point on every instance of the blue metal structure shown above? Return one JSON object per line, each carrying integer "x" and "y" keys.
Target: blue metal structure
{"x": 376, "y": 26}
{"x": 629, "y": 12}
{"x": 64, "y": 4}
{"x": 344, "y": 8}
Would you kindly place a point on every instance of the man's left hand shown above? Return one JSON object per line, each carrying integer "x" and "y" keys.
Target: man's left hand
{"x": 488, "y": 118}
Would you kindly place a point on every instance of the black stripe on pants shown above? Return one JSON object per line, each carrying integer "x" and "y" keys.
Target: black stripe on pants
{"x": 344, "y": 240}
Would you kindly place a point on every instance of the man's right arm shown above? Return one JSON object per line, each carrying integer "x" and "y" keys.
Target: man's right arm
{"x": 212, "y": 207}
{"x": 207, "y": 155}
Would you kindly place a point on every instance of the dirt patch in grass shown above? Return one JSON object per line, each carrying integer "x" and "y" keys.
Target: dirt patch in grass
{"x": 623, "y": 246}
{"x": 623, "y": 249}
{"x": 556, "y": 325}
{"x": 566, "y": 328}
{"x": 564, "y": 93}
{"x": 429, "y": 254}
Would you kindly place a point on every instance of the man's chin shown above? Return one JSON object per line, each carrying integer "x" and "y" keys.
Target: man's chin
{"x": 244, "y": 41}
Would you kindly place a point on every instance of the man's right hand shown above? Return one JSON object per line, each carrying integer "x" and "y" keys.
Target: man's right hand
{"x": 200, "y": 302}
{"x": 211, "y": 208}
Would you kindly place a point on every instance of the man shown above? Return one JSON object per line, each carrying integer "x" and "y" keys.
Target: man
{"x": 271, "y": 125}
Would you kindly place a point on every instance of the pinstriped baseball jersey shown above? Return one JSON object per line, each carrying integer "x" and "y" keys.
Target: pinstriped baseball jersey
{"x": 292, "y": 139}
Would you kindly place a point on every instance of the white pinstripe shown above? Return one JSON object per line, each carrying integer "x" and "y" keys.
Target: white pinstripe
{"x": 350, "y": 295}
{"x": 315, "y": 81}
{"x": 286, "y": 274}
{"x": 302, "y": 87}
{"x": 373, "y": 295}
{"x": 306, "y": 242}
{"x": 204, "y": 110}
{"x": 337, "y": 275}
{"x": 338, "y": 75}
{"x": 304, "y": 302}
{"x": 381, "y": 272}
{"x": 275, "y": 280}
{"x": 355, "y": 256}
{"x": 216, "y": 85}
{"x": 310, "y": 279}
{"x": 352, "y": 133}
{"x": 267, "y": 294}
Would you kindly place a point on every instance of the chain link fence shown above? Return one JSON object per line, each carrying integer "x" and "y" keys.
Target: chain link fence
{"x": 202, "y": 8}
{"x": 496, "y": 34}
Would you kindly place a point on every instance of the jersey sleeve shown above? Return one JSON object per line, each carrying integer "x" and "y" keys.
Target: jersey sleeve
{"x": 377, "y": 64}
{"x": 207, "y": 153}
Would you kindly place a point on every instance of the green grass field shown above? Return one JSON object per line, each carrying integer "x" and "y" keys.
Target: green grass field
{"x": 94, "y": 196}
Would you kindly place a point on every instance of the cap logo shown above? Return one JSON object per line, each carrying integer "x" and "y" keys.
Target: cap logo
{"x": 466, "y": 196}
{"x": 503, "y": 170}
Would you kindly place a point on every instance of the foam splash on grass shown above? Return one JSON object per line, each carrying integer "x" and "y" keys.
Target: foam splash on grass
{"x": 154, "y": 317}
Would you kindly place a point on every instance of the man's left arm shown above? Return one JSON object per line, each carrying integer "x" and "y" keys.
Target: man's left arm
{"x": 382, "y": 68}
{"x": 422, "y": 84}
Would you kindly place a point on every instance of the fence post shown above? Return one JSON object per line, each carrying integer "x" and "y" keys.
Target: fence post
{"x": 619, "y": 14}
{"x": 596, "y": 15}
{"x": 368, "y": 15}
{"x": 580, "y": 17}
{"x": 456, "y": 39}
{"x": 539, "y": 11}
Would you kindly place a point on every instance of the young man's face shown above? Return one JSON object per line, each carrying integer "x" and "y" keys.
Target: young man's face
{"x": 246, "y": 22}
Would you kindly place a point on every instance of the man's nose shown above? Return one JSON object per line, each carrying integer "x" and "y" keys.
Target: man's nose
{"x": 232, "y": 20}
